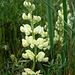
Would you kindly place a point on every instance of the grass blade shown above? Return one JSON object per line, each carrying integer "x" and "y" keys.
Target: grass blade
{"x": 50, "y": 25}
{"x": 65, "y": 19}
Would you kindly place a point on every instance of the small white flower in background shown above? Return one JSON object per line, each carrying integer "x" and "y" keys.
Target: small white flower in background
{"x": 61, "y": 5}
{"x": 68, "y": 8}
{"x": 6, "y": 47}
{"x": 40, "y": 57}
{"x": 48, "y": 47}
{"x": 60, "y": 23}
{"x": 24, "y": 16}
{"x": 44, "y": 49}
{"x": 61, "y": 39}
{"x": 69, "y": 15}
{"x": 25, "y": 43}
{"x": 56, "y": 33}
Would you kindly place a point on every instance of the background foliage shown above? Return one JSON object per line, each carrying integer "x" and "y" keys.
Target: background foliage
{"x": 10, "y": 35}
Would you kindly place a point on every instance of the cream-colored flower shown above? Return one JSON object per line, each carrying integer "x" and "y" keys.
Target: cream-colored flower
{"x": 25, "y": 55}
{"x": 44, "y": 49}
{"x": 29, "y": 16}
{"x": 29, "y": 71}
{"x": 30, "y": 54}
{"x": 48, "y": 47}
{"x": 33, "y": 7}
{"x": 27, "y": 4}
{"x": 22, "y": 29}
{"x": 39, "y": 41}
{"x": 24, "y": 73}
{"x": 27, "y": 29}
{"x": 37, "y": 73}
{"x": 24, "y": 16}
{"x": 40, "y": 56}
{"x": 36, "y": 19}
{"x": 38, "y": 30}
{"x": 40, "y": 46}
{"x": 30, "y": 39}
{"x": 45, "y": 59}
{"x": 61, "y": 5}
{"x": 44, "y": 34}
{"x": 25, "y": 43}
{"x": 32, "y": 46}
{"x": 45, "y": 44}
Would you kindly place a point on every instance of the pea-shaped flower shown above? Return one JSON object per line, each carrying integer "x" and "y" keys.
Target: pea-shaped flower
{"x": 25, "y": 43}
{"x": 27, "y": 4}
{"x": 39, "y": 41}
{"x": 25, "y": 55}
{"x": 36, "y": 19}
{"x": 24, "y": 16}
{"x": 26, "y": 28}
{"x": 40, "y": 57}
{"x": 30, "y": 72}
{"x": 24, "y": 73}
{"x": 30, "y": 54}
{"x": 31, "y": 41}
{"x": 38, "y": 30}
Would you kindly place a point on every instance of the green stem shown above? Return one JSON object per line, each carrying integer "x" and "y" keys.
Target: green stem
{"x": 13, "y": 68}
{"x": 32, "y": 25}
{"x": 34, "y": 58}
{"x": 35, "y": 50}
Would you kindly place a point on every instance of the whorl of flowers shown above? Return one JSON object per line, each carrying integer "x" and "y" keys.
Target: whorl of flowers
{"x": 35, "y": 44}
{"x": 58, "y": 33}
